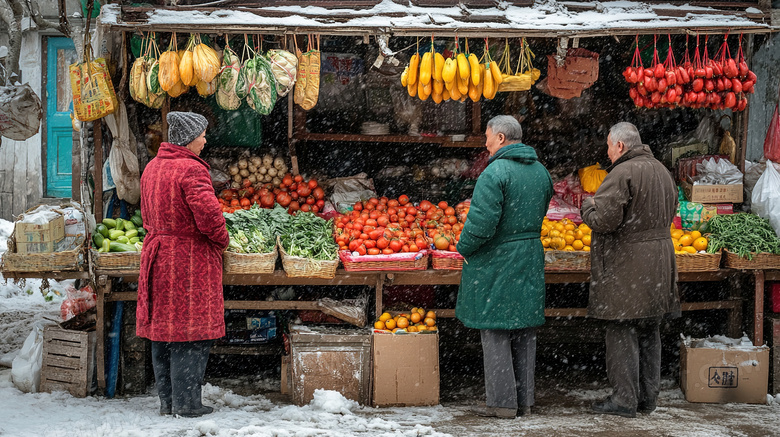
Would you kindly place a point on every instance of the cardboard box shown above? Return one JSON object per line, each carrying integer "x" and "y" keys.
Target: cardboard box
{"x": 727, "y": 374}
{"x": 330, "y": 358}
{"x": 712, "y": 193}
{"x": 690, "y": 213}
{"x": 406, "y": 369}
{"x": 33, "y": 238}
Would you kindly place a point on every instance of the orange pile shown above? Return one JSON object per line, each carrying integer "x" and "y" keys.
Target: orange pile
{"x": 688, "y": 241}
{"x": 565, "y": 235}
{"x": 417, "y": 320}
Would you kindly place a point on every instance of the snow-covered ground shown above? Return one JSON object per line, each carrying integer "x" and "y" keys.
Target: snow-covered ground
{"x": 252, "y": 406}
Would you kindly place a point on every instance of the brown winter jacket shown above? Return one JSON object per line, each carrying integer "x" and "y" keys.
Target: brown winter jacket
{"x": 633, "y": 270}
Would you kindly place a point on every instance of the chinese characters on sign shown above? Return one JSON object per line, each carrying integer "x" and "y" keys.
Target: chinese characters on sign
{"x": 723, "y": 377}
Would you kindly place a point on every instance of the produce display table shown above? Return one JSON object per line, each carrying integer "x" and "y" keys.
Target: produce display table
{"x": 378, "y": 280}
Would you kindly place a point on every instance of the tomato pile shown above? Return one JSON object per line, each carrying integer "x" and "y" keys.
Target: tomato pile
{"x": 294, "y": 193}
{"x": 718, "y": 83}
{"x": 386, "y": 226}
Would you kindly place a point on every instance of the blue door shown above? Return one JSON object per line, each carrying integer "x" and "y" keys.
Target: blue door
{"x": 59, "y": 130}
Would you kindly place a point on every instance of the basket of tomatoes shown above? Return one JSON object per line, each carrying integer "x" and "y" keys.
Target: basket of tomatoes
{"x": 443, "y": 229}
{"x": 382, "y": 234}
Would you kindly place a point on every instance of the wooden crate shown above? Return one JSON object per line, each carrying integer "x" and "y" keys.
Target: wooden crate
{"x": 330, "y": 358}
{"x": 68, "y": 360}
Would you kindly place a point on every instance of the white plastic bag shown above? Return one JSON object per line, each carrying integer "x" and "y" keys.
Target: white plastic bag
{"x": 20, "y": 112}
{"x": 26, "y": 367}
{"x": 766, "y": 196}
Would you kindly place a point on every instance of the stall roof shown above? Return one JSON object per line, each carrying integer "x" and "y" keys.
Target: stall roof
{"x": 548, "y": 18}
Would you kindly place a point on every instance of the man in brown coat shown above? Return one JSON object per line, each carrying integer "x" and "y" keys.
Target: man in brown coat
{"x": 633, "y": 270}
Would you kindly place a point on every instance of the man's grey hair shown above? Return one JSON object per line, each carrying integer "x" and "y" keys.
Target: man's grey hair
{"x": 626, "y": 133}
{"x": 507, "y": 125}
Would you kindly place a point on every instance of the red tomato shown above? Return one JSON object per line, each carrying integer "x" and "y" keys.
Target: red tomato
{"x": 361, "y": 250}
{"x": 396, "y": 245}
{"x": 298, "y": 178}
{"x": 387, "y": 251}
{"x": 382, "y": 242}
{"x": 306, "y": 207}
{"x": 317, "y": 192}
{"x": 315, "y": 208}
{"x": 403, "y": 199}
{"x": 283, "y": 199}
{"x": 392, "y": 202}
{"x": 370, "y": 244}
{"x": 304, "y": 191}
{"x": 267, "y": 200}
{"x": 312, "y": 184}
{"x": 413, "y": 211}
{"x": 374, "y": 251}
{"x": 320, "y": 204}
{"x": 383, "y": 221}
{"x": 357, "y": 206}
{"x": 294, "y": 205}
{"x": 287, "y": 179}
{"x": 310, "y": 200}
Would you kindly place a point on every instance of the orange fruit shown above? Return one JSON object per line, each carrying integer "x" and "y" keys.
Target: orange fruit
{"x": 390, "y": 324}
{"x": 569, "y": 238}
{"x": 700, "y": 243}
{"x": 430, "y": 315}
{"x": 545, "y": 230}
{"x": 403, "y": 322}
{"x": 586, "y": 248}
{"x": 677, "y": 233}
{"x": 557, "y": 243}
{"x": 416, "y": 317}
{"x": 429, "y": 321}
{"x": 577, "y": 245}
{"x": 411, "y": 329}
{"x": 421, "y": 311}
{"x": 384, "y": 317}
{"x": 586, "y": 240}
{"x": 568, "y": 248}
{"x": 546, "y": 242}
{"x": 379, "y": 325}
{"x": 578, "y": 234}
{"x": 421, "y": 328}
{"x": 695, "y": 235}
{"x": 686, "y": 240}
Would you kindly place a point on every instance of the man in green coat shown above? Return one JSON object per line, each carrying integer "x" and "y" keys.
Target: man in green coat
{"x": 502, "y": 285}
{"x": 633, "y": 279}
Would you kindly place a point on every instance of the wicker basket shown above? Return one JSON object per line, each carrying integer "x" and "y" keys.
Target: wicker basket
{"x": 564, "y": 260}
{"x": 297, "y": 267}
{"x": 394, "y": 262}
{"x": 446, "y": 260}
{"x": 257, "y": 263}
{"x": 65, "y": 261}
{"x": 116, "y": 260}
{"x": 760, "y": 261}
{"x": 698, "y": 262}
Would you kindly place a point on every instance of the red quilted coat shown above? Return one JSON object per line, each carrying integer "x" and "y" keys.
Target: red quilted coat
{"x": 180, "y": 284}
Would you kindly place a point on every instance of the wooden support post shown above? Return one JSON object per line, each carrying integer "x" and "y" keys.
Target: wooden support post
{"x": 758, "y": 315}
{"x": 380, "y": 283}
{"x": 166, "y": 108}
{"x": 103, "y": 287}
{"x": 97, "y": 173}
{"x": 290, "y": 128}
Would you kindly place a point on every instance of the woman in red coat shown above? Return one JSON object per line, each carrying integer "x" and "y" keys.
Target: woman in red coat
{"x": 180, "y": 303}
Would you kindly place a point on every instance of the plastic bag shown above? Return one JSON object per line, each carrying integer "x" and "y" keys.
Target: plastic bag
{"x": 26, "y": 367}
{"x": 772, "y": 140}
{"x": 93, "y": 92}
{"x": 20, "y": 112}
{"x": 591, "y": 177}
{"x": 77, "y": 302}
{"x": 766, "y": 197}
{"x": 717, "y": 172}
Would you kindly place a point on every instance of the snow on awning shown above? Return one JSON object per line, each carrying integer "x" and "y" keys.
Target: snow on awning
{"x": 545, "y": 18}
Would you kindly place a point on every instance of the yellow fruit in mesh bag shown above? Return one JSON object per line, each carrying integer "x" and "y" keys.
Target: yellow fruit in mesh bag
{"x": 438, "y": 66}
{"x": 186, "y": 69}
{"x": 178, "y": 89}
{"x": 168, "y": 74}
{"x": 205, "y": 62}
{"x": 449, "y": 70}
{"x": 206, "y": 89}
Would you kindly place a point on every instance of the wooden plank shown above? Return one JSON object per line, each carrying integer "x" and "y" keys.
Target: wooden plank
{"x": 280, "y": 278}
{"x": 271, "y": 305}
{"x": 62, "y": 375}
{"x": 6, "y": 201}
{"x": 67, "y": 336}
{"x": 565, "y": 312}
{"x": 477, "y": 142}
{"x": 424, "y": 277}
{"x": 583, "y": 312}
{"x": 20, "y": 176}
{"x": 62, "y": 348}
{"x": 712, "y": 305}
{"x": 565, "y": 278}
{"x": 61, "y": 361}
{"x": 249, "y": 349}
{"x": 59, "y": 276}
{"x": 772, "y": 275}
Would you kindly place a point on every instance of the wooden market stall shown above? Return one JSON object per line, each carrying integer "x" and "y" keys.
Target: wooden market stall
{"x": 370, "y": 21}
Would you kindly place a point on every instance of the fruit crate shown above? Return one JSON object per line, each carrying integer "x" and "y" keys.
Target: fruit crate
{"x": 115, "y": 260}
{"x": 68, "y": 360}
{"x": 395, "y": 262}
{"x": 698, "y": 262}
{"x": 68, "y": 260}
{"x": 446, "y": 260}
{"x": 566, "y": 260}
{"x": 759, "y": 261}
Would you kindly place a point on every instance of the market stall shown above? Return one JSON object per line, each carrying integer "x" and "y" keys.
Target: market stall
{"x": 318, "y": 131}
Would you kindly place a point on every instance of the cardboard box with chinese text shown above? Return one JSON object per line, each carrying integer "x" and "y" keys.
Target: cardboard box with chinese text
{"x": 406, "y": 369}
{"x": 39, "y": 238}
{"x": 724, "y": 374}
{"x": 712, "y": 193}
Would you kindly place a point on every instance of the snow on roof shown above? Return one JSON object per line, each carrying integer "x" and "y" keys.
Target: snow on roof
{"x": 544, "y": 18}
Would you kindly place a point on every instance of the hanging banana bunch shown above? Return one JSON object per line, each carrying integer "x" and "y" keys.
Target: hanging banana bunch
{"x": 492, "y": 75}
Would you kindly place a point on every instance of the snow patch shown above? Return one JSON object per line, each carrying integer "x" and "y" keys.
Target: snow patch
{"x": 332, "y": 402}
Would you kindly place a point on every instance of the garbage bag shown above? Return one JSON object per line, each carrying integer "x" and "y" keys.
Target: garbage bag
{"x": 766, "y": 197}
{"x": 26, "y": 367}
{"x": 20, "y": 112}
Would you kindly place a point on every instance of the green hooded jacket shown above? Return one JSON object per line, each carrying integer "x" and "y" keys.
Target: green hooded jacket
{"x": 502, "y": 285}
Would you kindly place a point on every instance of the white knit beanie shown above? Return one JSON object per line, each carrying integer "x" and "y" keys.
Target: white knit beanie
{"x": 184, "y": 127}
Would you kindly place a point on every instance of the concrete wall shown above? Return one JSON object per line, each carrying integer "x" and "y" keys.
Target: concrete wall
{"x": 766, "y": 65}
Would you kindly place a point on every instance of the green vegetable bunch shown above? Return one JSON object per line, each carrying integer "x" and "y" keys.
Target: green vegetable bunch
{"x": 309, "y": 236}
{"x": 255, "y": 230}
{"x": 743, "y": 234}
